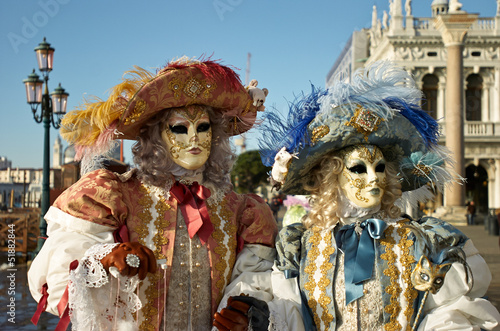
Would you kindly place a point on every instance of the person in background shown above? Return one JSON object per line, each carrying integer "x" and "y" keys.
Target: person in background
{"x": 471, "y": 212}
{"x": 275, "y": 207}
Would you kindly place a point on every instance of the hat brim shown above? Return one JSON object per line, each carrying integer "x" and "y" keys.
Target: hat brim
{"x": 202, "y": 83}
{"x": 397, "y": 139}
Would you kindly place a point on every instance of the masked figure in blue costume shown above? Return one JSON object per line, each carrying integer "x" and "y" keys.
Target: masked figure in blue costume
{"x": 364, "y": 152}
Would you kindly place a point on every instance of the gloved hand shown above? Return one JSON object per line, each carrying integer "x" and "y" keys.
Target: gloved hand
{"x": 242, "y": 311}
{"x": 117, "y": 258}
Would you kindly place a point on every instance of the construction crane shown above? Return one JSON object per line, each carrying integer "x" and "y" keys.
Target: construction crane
{"x": 242, "y": 140}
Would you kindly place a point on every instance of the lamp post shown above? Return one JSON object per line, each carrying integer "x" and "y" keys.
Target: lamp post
{"x": 55, "y": 104}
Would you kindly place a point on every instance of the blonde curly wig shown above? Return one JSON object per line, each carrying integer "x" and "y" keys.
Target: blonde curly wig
{"x": 325, "y": 191}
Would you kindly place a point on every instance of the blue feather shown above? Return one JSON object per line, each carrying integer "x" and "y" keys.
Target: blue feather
{"x": 423, "y": 122}
{"x": 291, "y": 133}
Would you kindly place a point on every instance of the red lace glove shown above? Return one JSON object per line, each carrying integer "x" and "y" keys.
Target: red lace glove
{"x": 118, "y": 258}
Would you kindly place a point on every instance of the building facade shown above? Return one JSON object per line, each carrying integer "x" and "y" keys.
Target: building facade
{"x": 414, "y": 43}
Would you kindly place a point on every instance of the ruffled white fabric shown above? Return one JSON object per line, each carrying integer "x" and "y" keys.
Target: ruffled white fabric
{"x": 254, "y": 275}
{"x": 69, "y": 238}
{"x": 97, "y": 301}
{"x": 348, "y": 212}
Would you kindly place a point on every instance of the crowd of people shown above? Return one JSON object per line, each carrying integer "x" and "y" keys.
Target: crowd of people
{"x": 170, "y": 246}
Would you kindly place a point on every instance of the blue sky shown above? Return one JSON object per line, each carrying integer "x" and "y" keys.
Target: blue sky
{"x": 292, "y": 45}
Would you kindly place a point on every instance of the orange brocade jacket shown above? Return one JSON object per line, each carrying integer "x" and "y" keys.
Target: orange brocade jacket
{"x": 114, "y": 200}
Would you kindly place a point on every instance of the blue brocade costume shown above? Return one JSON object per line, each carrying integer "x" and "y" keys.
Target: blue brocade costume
{"x": 389, "y": 300}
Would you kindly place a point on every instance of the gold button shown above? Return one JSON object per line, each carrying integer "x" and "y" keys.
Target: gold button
{"x": 183, "y": 264}
{"x": 198, "y": 286}
{"x": 198, "y": 246}
{"x": 181, "y": 226}
{"x": 197, "y": 264}
{"x": 197, "y": 306}
{"x": 181, "y": 303}
{"x": 182, "y": 245}
{"x": 181, "y": 284}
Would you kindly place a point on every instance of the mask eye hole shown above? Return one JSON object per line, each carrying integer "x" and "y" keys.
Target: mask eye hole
{"x": 424, "y": 277}
{"x": 380, "y": 168}
{"x": 358, "y": 169}
{"x": 438, "y": 281}
{"x": 178, "y": 129}
{"x": 203, "y": 127}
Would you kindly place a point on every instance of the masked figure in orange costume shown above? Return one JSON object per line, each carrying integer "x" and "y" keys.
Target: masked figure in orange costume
{"x": 165, "y": 245}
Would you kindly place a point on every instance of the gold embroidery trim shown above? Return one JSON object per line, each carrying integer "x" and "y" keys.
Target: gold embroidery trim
{"x": 319, "y": 133}
{"x": 324, "y": 282}
{"x": 393, "y": 289}
{"x": 231, "y": 231}
{"x": 176, "y": 86}
{"x": 310, "y": 269}
{"x": 221, "y": 250}
{"x": 145, "y": 215}
{"x": 140, "y": 106}
{"x": 161, "y": 224}
{"x": 406, "y": 261}
{"x": 209, "y": 87}
{"x": 150, "y": 309}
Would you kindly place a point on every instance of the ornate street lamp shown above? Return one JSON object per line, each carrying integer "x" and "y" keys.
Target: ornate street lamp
{"x": 55, "y": 104}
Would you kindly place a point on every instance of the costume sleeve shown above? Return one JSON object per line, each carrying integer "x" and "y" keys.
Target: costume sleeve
{"x": 253, "y": 273}
{"x": 453, "y": 307}
{"x": 82, "y": 216}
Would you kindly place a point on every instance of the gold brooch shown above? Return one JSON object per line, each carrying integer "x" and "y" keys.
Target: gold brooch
{"x": 364, "y": 121}
{"x": 421, "y": 170}
{"x": 193, "y": 88}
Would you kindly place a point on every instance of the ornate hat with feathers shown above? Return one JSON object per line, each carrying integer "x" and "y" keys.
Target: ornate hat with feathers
{"x": 93, "y": 126}
{"x": 379, "y": 107}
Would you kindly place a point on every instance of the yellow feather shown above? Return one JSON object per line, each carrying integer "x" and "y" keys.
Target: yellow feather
{"x": 83, "y": 125}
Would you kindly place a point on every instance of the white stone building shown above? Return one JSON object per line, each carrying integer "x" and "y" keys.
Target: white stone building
{"x": 414, "y": 43}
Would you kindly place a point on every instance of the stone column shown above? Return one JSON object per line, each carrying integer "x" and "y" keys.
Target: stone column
{"x": 453, "y": 28}
{"x": 497, "y": 185}
{"x": 440, "y": 100}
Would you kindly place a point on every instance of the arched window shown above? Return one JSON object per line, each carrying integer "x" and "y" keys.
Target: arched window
{"x": 430, "y": 89}
{"x": 473, "y": 98}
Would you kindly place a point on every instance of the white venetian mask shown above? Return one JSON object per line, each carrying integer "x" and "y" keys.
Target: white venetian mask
{"x": 363, "y": 179}
{"x": 189, "y": 137}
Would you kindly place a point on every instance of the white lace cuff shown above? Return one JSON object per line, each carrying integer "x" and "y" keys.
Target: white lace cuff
{"x": 96, "y": 300}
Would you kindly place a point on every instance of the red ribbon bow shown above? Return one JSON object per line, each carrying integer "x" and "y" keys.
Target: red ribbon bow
{"x": 42, "y": 304}
{"x": 192, "y": 204}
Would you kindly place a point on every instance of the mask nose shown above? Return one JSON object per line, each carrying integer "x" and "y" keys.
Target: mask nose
{"x": 373, "y": 177}
{"x": 194, "y": 138}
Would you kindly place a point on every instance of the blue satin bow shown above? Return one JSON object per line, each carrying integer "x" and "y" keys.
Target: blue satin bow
{"x": 359, "y": 254}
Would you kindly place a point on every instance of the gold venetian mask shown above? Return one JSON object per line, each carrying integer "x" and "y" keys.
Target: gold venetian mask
{"x": 189, "y": 137}
{"x": 363, "y": 178}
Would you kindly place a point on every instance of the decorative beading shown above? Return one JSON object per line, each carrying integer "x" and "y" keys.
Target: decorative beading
{"x": 394, "y": 308}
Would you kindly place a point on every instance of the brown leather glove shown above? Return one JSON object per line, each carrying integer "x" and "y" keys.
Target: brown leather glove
{"x": 242, "y": 311}
{"x": 117, "y": 258}
{"x": 233, "y": 318}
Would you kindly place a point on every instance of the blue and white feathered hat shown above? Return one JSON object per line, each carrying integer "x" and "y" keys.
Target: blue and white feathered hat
{"x": 380, "y": 107}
